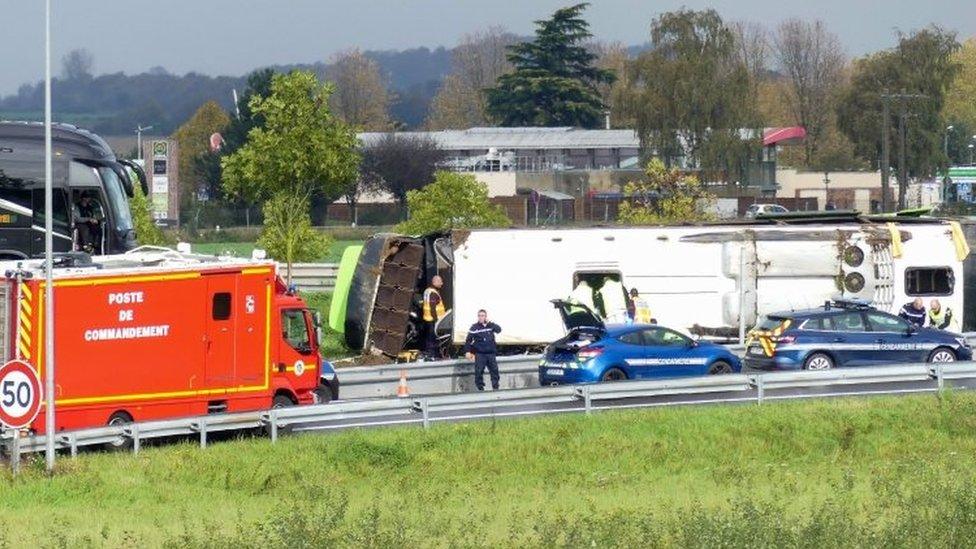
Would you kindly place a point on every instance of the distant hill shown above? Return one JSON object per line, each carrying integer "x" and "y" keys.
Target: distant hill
{"x": 114, "y": 104}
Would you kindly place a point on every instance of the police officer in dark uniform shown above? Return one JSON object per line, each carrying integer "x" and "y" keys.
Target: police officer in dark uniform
{"x": 480, "y": 345}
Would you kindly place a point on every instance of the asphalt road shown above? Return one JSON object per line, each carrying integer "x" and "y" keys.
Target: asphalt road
{"x": 570, "y": 404}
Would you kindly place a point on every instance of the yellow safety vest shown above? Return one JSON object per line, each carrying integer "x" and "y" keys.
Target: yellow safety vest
{"x": 438, "y": 309}
{"x": 642, "y": 311}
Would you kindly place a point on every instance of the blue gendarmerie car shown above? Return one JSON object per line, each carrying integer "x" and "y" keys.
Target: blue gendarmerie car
{"x": 592, "y": 351}
{"x": 847, "y": 333}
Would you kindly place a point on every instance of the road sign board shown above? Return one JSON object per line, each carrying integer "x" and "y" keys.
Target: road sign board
{"x": 20, "y": 394}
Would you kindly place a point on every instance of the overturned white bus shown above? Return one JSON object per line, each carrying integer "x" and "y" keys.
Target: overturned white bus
{"x": 710, "y": 279}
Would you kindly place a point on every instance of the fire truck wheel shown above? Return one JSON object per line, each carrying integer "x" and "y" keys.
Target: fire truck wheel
{"x": 282, "y": 401}
{"x": 121, "y": 443}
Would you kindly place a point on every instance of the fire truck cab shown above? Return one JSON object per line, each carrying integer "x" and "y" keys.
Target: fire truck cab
{"x": 157, "y": 334}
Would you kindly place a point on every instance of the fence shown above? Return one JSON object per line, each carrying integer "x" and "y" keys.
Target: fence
{"x": 758, "y": 388}
{"x": 313, "y": 277}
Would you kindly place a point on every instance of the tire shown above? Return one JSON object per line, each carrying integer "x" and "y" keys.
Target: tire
{"x": 942, "y": 354}
{"x": 720, "y": 367}
{"x": 123, "y": 443}
{"x": 613, "y": 374}
{"x": 325, "y": 393}
{"x": 282, "y": 401}
{"x": 818, "y": 361}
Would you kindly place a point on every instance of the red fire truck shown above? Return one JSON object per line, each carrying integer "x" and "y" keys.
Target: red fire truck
{"x": 156, "y": 334}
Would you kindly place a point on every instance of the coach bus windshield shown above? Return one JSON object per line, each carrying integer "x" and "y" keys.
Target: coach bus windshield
{"x": 117, "y": 200}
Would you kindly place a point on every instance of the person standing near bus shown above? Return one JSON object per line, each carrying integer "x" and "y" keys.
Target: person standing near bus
{"x": 433, "y": 310}
{"x": 480, "y": 345}
{"x": 642, "y": 311}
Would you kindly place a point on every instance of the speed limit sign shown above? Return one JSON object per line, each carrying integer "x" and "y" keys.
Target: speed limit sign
{"x": 20, "y": 394}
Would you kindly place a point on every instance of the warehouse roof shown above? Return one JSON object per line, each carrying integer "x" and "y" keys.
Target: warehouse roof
{"x": 523, "y": 138}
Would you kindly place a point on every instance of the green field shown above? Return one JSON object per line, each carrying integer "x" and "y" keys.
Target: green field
{"x": 870, "y": 472}
{"x": 244, "y": 249}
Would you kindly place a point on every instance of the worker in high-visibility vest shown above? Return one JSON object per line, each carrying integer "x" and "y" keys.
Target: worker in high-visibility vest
{"x": 433, "y": 310}
{"x": 941, "y": 317}
{"x": 642, "y": 311}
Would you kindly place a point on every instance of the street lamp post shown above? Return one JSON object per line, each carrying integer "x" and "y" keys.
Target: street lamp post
{"x": 945, "y": 142}
{"x": 826, "y": 182}
{"x": 48, "y": 261}
{"x": 139, "y": 130}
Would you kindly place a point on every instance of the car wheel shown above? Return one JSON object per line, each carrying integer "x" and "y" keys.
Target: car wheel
{"x": 614, "y": 374}
{"x": 324, "y": 393}
{"x": 942, "y": 354}
{"x": 818, "y": 361}
{"x": 720, "y": 367}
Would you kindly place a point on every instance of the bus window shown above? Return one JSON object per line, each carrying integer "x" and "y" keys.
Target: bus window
{"x": 117, "y": 201}
{"x": 15, "y": 207}
{"x": 59, "y": 206}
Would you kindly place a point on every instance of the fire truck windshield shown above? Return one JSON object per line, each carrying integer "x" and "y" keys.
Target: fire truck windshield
{"x": 295, "y": 329}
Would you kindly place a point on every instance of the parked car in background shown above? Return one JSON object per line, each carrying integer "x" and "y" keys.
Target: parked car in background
{"x": 847, "y": 333}
{"x": 593, "y": 351}
{"x": 765, "y": 209}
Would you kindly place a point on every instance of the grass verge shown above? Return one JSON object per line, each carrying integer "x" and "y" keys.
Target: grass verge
{"x": 244, "y": 249}
{"x": 872, "y": 472}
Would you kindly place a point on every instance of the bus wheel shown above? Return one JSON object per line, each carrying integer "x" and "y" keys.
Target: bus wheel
{"x": 121, "y": 443}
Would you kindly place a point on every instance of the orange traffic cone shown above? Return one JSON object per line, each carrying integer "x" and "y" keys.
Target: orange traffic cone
{"x": 402, "y": 389}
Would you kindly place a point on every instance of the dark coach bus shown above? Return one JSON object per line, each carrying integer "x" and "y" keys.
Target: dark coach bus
{"x": 90, "y": 192}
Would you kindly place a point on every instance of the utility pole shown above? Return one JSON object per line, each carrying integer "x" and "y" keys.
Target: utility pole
{"x": 902, "y": 164}
{"x": 902, "y": 146}
{"x": 885, "y": 156}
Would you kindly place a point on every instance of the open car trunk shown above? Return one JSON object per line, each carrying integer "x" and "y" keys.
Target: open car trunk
{"x": 583, "y": 326}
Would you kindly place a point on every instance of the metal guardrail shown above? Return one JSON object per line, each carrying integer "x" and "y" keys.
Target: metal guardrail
{"x": 313, "y": 277}
{"x": 455, "y": 376}
{"x": 428, "y": 378}
{"x": 756, "y": 388}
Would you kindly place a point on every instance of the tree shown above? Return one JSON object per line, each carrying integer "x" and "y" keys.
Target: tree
{"x": 147, "y": 232}
{"x": 614, "y": 58}
{"x": 77, "y": 65}
{"x": 554, "y": 82}
{"x": 961, "y": 98}
{"x": 361, "y": 98}
{"x": 244, "y": 119}
{"x": 922, "y": 65}
{"x": 288, "y": 235}
{"x": 666, "y": 197}
{"x": 452, "y": 201}
{"x": 691, "y": 93}
{"x": 193, "y": 139}
{"x": 397, "y": 164}
{"x": 476, "y": 63}
{"x": 302, "y": 149}
{"x": 813, "y": 61}
{"x": 753, "y": 50}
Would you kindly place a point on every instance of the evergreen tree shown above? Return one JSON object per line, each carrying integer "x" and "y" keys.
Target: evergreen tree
{"x": 555, "y": 80}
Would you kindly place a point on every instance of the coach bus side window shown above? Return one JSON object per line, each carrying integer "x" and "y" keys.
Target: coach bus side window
{"x": 921, "y": 281}
{"x": 59, "y": 206}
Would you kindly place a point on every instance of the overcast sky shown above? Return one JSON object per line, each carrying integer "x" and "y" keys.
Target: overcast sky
{"x": 234, "y": 36}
